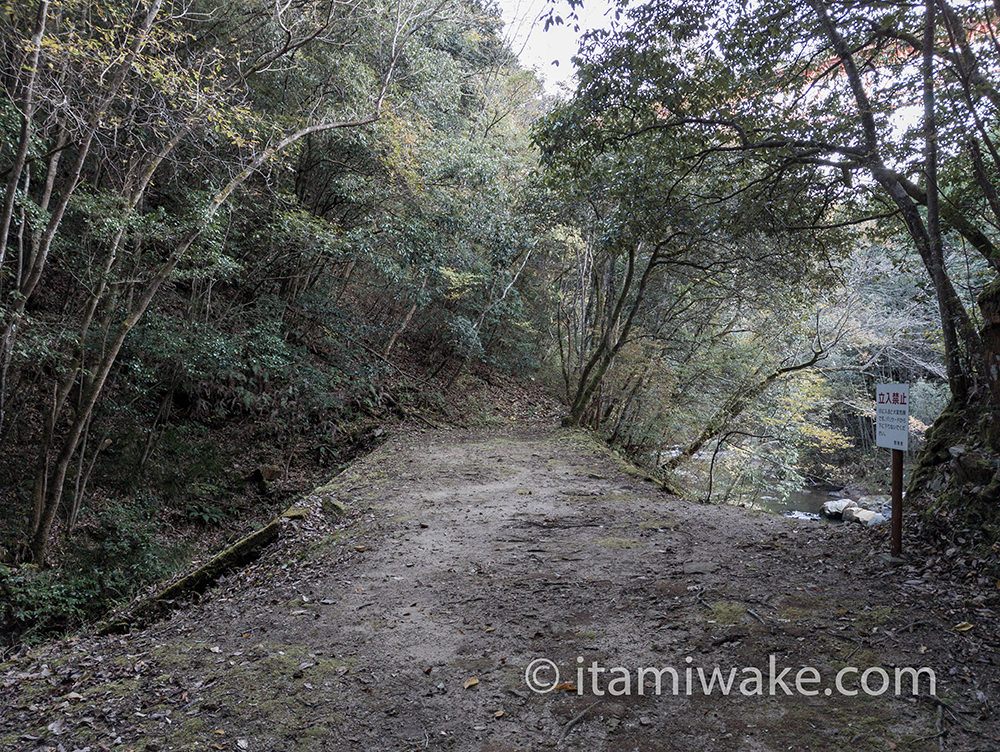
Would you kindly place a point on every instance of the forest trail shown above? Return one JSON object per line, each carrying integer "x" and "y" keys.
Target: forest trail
{"x": 469, "y": 554}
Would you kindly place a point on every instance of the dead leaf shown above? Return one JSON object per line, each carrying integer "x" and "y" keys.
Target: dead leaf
{"x": 498, "y": 714}
{"x": 963, "y": 627}
{"x": 361, "y": 548}
{"x": 471, "y": 682}
{"x": 568, "y": 686}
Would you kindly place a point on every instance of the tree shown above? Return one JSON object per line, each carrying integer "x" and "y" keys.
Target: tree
{"x": 149, "y": 106}
{"x": 663, "y": 252}
{"x": 819, "y": 97}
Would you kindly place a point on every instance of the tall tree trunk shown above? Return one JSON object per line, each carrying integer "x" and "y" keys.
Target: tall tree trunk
{"x": 963, "y": 347}
{"x": 24, "y": 137}
{"x": 957, "y": 376}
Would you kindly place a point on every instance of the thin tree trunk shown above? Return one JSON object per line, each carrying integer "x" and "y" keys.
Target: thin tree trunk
{"x": 406, "y": 320}
{"x": 54, "y": 482}
{"x": 955, "y": 322}
{"x": 24, "y": 137}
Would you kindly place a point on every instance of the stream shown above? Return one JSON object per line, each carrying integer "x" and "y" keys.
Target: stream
{"x": 802, "y": 503}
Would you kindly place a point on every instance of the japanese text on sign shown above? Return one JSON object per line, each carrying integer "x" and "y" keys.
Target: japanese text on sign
{"x": 892, "y": 416}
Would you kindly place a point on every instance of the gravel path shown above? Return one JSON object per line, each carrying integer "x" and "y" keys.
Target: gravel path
{"x": 409, "y": 622}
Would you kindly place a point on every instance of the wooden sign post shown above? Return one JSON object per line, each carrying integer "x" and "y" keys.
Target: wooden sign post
{"x": 892, "y": 431}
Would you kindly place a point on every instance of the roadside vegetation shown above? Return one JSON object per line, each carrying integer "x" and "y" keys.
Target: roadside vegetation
{"x": 239, "y": 240}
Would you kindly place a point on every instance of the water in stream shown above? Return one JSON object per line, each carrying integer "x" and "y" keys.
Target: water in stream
{"x": 804, "y": 503}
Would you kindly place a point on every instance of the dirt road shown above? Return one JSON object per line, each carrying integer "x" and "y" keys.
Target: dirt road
{"x": 409, "y": 622}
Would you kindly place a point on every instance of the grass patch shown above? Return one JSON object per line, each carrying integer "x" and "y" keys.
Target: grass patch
{"x": 728, "y": 612}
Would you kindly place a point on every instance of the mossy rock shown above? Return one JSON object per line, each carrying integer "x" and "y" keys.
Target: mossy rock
{"x": 333, "y": 508}
{"x": 239, "y": 554}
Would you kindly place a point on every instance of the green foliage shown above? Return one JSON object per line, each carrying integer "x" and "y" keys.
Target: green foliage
{"x": 199, "y": 280}
{"x": 463, "y": 338}
{"x": 36, "y": 602}
{"x": 120, "y": 554}
{"x": 717, "y": 135}
{"x": 206, "y": 513}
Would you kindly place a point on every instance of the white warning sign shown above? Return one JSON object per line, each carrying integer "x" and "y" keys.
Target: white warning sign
{"x": 892, "y": 416}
